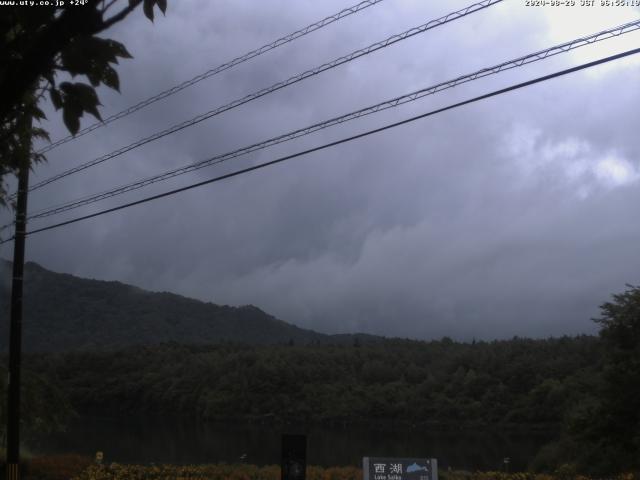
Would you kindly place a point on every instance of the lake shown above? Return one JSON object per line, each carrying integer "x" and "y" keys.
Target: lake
{"x": 154, "y": 440}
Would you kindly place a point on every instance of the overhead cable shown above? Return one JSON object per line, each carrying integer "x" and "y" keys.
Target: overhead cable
{"x": 219, "y": 69}
{"x": 338, "y": 142}
{"x": 410, "y": 97}
{"x": 276, "y": 86}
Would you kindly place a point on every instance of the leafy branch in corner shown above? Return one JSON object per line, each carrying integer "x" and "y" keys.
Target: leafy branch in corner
{"x": 36, "y": 44}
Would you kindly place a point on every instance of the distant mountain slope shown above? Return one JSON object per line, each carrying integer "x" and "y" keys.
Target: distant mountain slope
{"x": 64, "y": 312}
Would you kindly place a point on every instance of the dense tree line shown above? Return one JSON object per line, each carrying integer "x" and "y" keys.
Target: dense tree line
{"x": 501, "y": 383}
{"x": 45, "y": 408}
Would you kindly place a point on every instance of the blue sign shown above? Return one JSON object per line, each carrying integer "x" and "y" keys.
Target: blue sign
{"x": 383, "y": 468}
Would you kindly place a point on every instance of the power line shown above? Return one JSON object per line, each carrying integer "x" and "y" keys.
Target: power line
{"x": 277, "y": 86}
{"x": 341, "y": 141}
{"x": 220, "y": 68}
{"x": 410, "y": 97}
{"x": 7, "y": 227}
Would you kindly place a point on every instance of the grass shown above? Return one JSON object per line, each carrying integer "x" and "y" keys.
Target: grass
{"x": 77, "y": 467}
{"x": 252, "y": 472}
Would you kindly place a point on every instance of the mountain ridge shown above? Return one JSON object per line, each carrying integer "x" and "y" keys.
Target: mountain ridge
{"x": 109, "y": 315}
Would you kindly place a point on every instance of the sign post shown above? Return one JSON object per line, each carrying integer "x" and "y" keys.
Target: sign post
{"x": 294, "y": 457}
{"x": 383, "y": 468}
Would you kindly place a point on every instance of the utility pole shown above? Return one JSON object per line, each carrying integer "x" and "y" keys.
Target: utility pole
{"x": 15, "y": 335}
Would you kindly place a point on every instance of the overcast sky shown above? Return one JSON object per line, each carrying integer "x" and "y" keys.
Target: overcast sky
{"x": 517, "y": 215}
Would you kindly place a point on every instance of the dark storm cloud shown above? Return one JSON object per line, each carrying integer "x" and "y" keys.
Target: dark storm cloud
{"x": 508, "y": 217}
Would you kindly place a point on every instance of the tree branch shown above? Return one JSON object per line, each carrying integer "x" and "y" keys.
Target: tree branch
{"x": 120, "y": 15}
{"x": 108, "y": 5}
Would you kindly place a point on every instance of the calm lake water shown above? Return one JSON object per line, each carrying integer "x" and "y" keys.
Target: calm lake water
{"x": 188, "y": 442}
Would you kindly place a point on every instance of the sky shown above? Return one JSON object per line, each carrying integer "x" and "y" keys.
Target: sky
{"x": 516, "y": 215}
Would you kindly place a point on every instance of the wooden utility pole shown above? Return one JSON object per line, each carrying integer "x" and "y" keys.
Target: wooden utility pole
{"x": 15, "y": 335}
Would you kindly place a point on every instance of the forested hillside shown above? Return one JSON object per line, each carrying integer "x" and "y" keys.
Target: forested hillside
{"x": 64, "y": 312}
{"x": 106, "y": 348}
{"x": 502, "y": 383}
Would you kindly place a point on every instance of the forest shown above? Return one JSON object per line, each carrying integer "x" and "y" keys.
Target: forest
{"x": 584, "y": 389}
{"x": 507, "y": 383}
{"x": 547, "y": 385}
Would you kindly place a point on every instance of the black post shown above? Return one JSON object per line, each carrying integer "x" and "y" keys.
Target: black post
{"x": 294, "y": 457}
{"x": 15, "y": 345}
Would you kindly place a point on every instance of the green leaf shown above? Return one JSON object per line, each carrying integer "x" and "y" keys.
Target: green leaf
{"x": 38, "y": 114}
{"x": 78, "y": 98}
{"x": 40, "y": 133}
{"x": 110, "y": 78}
{"x": 56, "y": 98}
{"x": 89, "y": 54}
{"x": 87, "y": 98}
{"x": 147, "y": 7}
{"x": 119, "y": 49}
{"x": 71, "y": 120}
{"x": 93, "y": 110}
{"x": 75, "y": 57}
{"x": 162, "y": 4}
{"x": 94, "y": 77}
{"x": 93, "y": 56}
{"x": 39, "y": 157}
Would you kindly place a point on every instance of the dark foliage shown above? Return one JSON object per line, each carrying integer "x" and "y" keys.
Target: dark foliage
{"x": 39, "y": 43}
{"x": 45, "y": 408}
{"x": 507, "y": 383}
{"x": 139, "y": 353}
{"x": 605, "y": 428}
